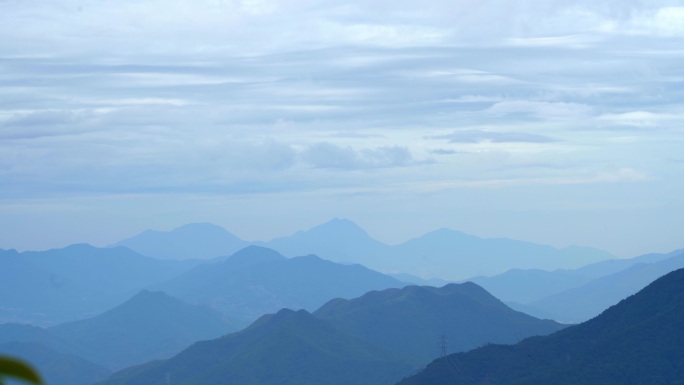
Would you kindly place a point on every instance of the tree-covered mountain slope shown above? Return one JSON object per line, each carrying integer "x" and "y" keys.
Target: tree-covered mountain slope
{"x": 286, "y": 348}
{"x": 150, "y": 325}
{"x": 637, "y": 341}
{"x": 413, "y": 321}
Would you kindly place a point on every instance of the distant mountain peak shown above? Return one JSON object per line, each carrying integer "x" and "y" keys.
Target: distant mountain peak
{"x": 339, "y": 225}
{"x": 200, "y": 227}
{"x": 255, "y": 254}
{"x": 193, "y": 240}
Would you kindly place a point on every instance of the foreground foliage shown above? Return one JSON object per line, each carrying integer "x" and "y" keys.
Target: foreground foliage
{"x": 12, "y": 367}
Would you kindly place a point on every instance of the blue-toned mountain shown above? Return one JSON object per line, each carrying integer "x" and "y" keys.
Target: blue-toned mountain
{"x": 194, "y": 240}
{"x": 258, "y": 280}
{"x": 286, "y": 348}
{"x": 413, "y": 320}
{"x": 638, "y": 341}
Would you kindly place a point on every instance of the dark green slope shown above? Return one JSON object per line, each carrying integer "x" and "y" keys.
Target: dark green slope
{"x": 257, "y": 281}
{"x": 287, "y": 348}
{"x": 150, "y": 325}
{"x": 638, "y": 341}
{"x": 412, "y": 320}
{"x": 55, "y": 368}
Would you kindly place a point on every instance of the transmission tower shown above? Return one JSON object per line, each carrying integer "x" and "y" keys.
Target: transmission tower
{"x": 443, "y": 345}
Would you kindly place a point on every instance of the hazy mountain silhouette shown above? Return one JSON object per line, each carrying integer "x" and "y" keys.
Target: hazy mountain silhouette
{"x": 524, "y": 286}
{"x": 411, "y": 321}
{"x": 195, "y": 240}
{"x": 55, "y": 368}
{"x": 149, "y": 326}
{"x": 287, "y": 348}
{"x": 452, "y": 254}
{"x": 638, "y": 341}
{"x": 11, "y": 332}
{"x": 339, "y": 240}
{"x": 74, "y": 282}
{"x": 257, "y": 280}
{"x": 582, "y": 303}
{"x": 443, "y": 253}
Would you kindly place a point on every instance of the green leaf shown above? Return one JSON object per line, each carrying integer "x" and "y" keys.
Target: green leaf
{"x": 13, "y": 367}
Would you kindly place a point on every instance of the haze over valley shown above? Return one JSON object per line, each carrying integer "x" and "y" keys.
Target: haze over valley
{"x": 311, "y": 192}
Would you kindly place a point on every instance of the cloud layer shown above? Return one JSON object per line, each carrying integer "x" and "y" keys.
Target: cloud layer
{"x": 413, "y": 104}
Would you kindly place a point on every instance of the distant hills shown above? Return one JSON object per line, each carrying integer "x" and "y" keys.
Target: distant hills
{"x": 78, "y": 281}
{"x": 412, "y": 321}
{"x": 151, "y": 325}
{"x": 444, "y": 253}
{"x": 287, "y": 348}
{"x": 528, "y": 285}
{"x": 257, "y": 280}
{"x": 589, "y": 300}
{"x": 577, "y": 295}
{"x": 377, "y": 338}
{"x": 148, "y": 326}
{"x": 638, "y": 341}
{"x": 55, "y": 368}
{"x": 195, "y": 240}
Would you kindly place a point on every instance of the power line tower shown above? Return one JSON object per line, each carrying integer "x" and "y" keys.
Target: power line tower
{"x": 443, "y": 345}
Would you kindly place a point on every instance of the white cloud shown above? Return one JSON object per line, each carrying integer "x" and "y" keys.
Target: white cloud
{"x": 665, "y": 21}
{"x": 328, "y": 155}
{"x": 541, "y": 109}
{"x": 636, "y": 118}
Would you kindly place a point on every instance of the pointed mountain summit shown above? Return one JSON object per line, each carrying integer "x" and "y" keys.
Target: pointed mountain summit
{"x": 191, "y": 241}
{"x": 412, "y": 321}
{"x": 287, "y": 348}
{"x": 638, "y": 341}
{"x": 257, "y": 280}
{"x": 339, "y": 240}
{"x": 148, "y": 326}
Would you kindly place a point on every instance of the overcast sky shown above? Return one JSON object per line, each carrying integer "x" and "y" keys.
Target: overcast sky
{"x": 549, "y": 121}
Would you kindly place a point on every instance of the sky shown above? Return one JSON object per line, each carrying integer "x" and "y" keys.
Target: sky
{"x": 541, "y": 120}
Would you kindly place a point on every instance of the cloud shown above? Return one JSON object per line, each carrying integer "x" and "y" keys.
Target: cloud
{"x": 444, "y": 151}
{"x": 625, "y": 174}
{"x": 328, "y": 155}
{"x": 148, "y": 27}
{"x": 540, "y": 109}
{"x": 479, "y": 136}
{"x": 665, "y": 21}
{"x": 636, "y": 118}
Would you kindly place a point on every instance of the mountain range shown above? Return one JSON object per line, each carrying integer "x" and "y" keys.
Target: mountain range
{"x": 75, "y": 282}
{"x": 377, "y": 338}
{"x": 638, "y": 341}
{"x": 256, "y": 280}
{"x": 574, "y": 296}
{"x": 150, "y": 325}
{"x": 414, "y": 320}
{"x": 286, "y": 348}
{"x": 444, "y": 253}
{"x": 194, "y": 240}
